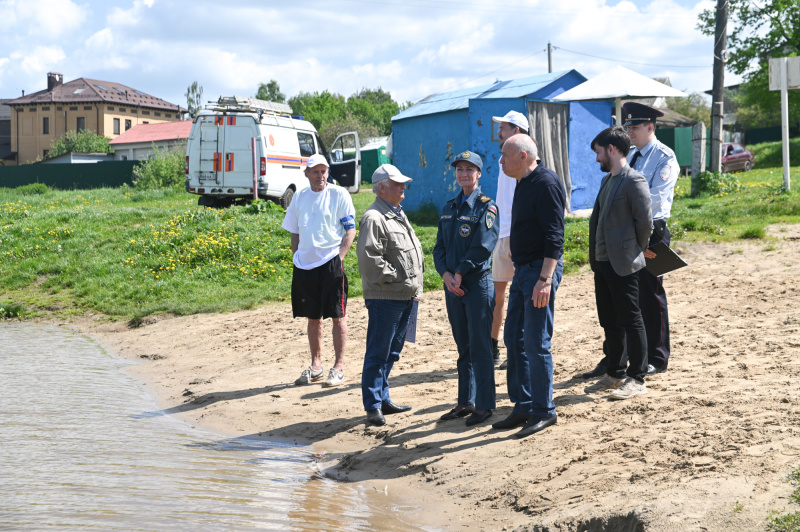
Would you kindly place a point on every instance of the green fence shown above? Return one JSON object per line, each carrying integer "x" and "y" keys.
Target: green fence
{"x": 680, "y": 140}
{"x": 768, "y": 134}
{"x": 109, "y": 174}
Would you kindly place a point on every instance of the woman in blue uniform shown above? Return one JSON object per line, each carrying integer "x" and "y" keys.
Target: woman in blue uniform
{"x": 462, "y": 255}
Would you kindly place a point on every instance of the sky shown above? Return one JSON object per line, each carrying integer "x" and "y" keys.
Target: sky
{"x": 410, "y": 48}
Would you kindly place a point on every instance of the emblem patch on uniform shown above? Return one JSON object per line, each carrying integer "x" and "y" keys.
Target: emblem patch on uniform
{"x": 489, "y": 220}
{"x": 464, "y": 230}
{"x": 665, "y": 172}
{"x": 465, "y": 155}
{"x": 493, "y": 209}
{"x": 484, "y": 199}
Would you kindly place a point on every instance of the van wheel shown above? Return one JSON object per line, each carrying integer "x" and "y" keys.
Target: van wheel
{"x": 286, "y": 199}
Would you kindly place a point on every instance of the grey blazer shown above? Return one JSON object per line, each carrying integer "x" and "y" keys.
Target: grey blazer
{"x": 627, "y": 225}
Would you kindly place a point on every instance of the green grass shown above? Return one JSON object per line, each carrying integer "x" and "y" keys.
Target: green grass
{"x": 128, "y": 253}
{"x": 770, "y": 154}
{"x": 788, "y": 522}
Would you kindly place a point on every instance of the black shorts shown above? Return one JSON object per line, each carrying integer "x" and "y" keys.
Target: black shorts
{"x": 320, "y": 292}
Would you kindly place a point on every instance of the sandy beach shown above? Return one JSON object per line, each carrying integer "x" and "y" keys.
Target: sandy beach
{"x": 707, "y": 448}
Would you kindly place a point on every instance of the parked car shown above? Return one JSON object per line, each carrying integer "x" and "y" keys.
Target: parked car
{"x": 735, "y": 157}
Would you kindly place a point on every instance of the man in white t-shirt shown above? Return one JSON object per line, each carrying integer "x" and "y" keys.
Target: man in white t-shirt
{"x": 511, "y": 124}
{"x": 321, "y": 219}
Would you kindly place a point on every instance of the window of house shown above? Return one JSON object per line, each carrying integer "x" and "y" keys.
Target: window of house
{"x": 100, "y": 87}
{"x": 145, "y": 112}
{"x": 74, "y": 108}
{"x": 87, "y": 107}
{"x": 78, "y": 91}
{"x": 32, "y": 109}
{"x": 59, "y": 108}
{"x": 110, "y": 107}
{"x": 46, "y": 125}
{"x": 134, "y": 111}
{"x": 127, "y": 125}
{"x": 158, "y": 114}
{"x": 45, "y": 152}
{"x": 123, "y": 157}
{"x": 81, "y": 125}
{"x": 168, "y": 115}
{"x": 306, "y": 144}
{"x": 145, "y": 122}
{"x": 121, "y": 109}
{"x": 116, "y": 126}
{"x": 46, "y": 108}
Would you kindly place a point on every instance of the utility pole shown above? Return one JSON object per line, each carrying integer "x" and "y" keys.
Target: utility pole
{"x": 717, "y": 92}
{"x": 549, "y": 58}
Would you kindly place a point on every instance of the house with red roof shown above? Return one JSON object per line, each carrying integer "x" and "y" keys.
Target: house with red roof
{"x": 137, "y": 143}
{"x": 106, "y": 107}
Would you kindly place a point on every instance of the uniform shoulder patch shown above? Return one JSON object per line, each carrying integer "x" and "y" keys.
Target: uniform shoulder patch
{"x": 490, "y": 218}
{"x": 666, "y": 172}
{"x": 492, "y": 209}
{"x": 484, "y": 198}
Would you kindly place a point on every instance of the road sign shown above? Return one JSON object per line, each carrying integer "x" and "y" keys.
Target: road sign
{"x": 792, "y": 73}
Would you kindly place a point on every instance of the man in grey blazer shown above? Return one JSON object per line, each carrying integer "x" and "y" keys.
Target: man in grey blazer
{"x": 619, "y": 231}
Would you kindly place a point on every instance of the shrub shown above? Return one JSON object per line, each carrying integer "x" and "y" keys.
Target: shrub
{"x": 33, "y": 189}
{"x": 165, "y": 169}
{"x": 714, "y": 184}
{"x": 8, "y": 310}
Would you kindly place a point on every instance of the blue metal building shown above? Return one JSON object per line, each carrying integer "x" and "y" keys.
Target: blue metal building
{"x": 427, "y": 136}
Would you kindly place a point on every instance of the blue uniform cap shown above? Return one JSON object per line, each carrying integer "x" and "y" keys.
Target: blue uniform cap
{"x": 636, "y": 113}
{"x": 470, "y": 157}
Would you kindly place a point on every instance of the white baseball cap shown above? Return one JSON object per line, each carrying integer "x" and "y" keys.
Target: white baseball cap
{"x": 316, "y": 159}
{"x": 514, "y": 118}
{"x": 389, "y": 171}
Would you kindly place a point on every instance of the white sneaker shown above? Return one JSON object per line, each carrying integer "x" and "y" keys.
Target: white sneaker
{"x": 335, "y": 377}
{"x": 629, "y": 389}
{"x": 605, "y": 384}
{"x": 309, "y": 375}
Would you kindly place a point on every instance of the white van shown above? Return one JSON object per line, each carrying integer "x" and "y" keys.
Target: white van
{"x": 244, "y": 148}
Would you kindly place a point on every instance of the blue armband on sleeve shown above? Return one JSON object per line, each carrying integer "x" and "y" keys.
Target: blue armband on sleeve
{"x": 349, "y": 222}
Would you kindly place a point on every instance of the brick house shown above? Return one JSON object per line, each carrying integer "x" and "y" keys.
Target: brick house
{"x": 107, "y": 108}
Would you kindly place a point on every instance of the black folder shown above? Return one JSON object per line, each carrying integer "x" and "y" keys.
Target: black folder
{"x": 665, "y": 261}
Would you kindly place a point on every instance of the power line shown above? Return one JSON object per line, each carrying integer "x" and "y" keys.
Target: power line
{"x": 628, "y": 62}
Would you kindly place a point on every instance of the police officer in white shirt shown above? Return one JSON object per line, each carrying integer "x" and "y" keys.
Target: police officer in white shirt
{"x": 511, "y": 124}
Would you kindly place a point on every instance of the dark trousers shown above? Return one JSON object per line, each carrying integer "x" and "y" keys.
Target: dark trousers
{"x": 653, "y": 302}
{"x": 617, "y": 300}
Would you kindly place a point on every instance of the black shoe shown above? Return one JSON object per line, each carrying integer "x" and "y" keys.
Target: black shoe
{"x": 495, "y": 351}
{"x": 453, "y": 414}
{"x": 476, "y": 418}
{"x": 652, "y": 370}
{"x": 391, "y": 408}
{"x": 536, "y": 425}
{"x": 374, "y": 417}
{"x": 599, "y": 371}
{"x": 513, "y": 420}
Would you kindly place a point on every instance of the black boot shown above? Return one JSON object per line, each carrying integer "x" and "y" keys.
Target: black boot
{"x": 495, "y": 351}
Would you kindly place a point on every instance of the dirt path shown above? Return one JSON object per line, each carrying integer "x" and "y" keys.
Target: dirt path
{"x": 708, "y": 447}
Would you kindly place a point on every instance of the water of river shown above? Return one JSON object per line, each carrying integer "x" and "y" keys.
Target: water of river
{"x": 81, "y": 448}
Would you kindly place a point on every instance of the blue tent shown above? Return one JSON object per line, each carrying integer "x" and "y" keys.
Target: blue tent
{"x": 427, "y": 136}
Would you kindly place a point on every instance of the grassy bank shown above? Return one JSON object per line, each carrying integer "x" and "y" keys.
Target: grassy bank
{"x": 129, "y": 254}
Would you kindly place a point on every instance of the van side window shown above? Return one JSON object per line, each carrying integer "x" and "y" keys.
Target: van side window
{"x": 306, "y": 142}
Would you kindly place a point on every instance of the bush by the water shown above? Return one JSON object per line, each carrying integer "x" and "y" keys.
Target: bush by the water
{"x": 165, "y": 169}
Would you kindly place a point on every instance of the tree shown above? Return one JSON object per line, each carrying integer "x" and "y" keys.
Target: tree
{"x": 694, "y": 106}
{"x": 374, "y": 106}
{"x": 335, "y": 127}
{"x": 319, "y": 108}
{"x": 271, "y": 92}
{"x": 194, "y": 98}
{"x": 761, "y": 30}
{"x": 84, "y": 141}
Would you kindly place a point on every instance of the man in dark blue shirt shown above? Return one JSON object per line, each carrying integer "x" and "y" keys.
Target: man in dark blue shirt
{"x": 537, "y": 246}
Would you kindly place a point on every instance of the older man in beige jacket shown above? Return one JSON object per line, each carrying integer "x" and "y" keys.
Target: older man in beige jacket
{"x": 390, "y": 261}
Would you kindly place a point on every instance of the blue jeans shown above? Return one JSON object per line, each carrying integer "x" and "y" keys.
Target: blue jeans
{"x": 471, "y": 321}
{"x": 386, "y": 334}
{"x": 527, "y": 336}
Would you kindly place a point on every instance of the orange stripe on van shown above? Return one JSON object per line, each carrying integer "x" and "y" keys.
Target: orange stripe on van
{"x": 218, "y": 120}
{"x": 229, "y": 162}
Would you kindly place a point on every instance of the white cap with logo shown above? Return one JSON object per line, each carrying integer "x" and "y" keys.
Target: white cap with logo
{"x": 389, "y": 171}
{"x": 513, "y": 118}
{"x": 316, "y": 159}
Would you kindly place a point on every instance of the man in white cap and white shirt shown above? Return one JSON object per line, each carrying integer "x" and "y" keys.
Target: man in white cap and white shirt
{"x": 502, "y": 267}
{"x": 391, "y": 262}
{"x": 321, "y": 219}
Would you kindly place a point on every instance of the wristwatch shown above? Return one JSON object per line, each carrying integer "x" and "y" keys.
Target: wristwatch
{"x": 546, "y": 280}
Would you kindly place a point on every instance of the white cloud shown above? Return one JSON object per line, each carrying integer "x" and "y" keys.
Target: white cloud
{"x": 45, "y": 19}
